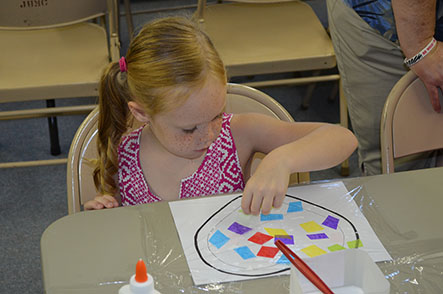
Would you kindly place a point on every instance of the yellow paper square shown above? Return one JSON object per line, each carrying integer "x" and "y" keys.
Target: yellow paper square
{"x": 313, "y": 251}
{"x": 311, "y": 227}
{"x": 274, "y": 232}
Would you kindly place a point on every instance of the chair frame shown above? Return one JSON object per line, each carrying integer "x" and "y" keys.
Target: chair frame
{"x": 252, "y": 69}
{"x": 200, "y": 16}
{"x": 408, "y": 123}
{"x": 88, "y": 130}
{"x": 51, "y": 112}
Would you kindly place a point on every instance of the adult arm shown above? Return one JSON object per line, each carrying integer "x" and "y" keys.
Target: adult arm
{"x": 415, "y": 22}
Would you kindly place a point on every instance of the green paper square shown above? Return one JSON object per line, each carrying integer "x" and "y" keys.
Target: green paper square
{"x": 336, "y": 247}
{"x": 355, "y": 244}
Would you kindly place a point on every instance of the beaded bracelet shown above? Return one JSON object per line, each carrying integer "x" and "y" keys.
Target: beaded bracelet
{"x": 420, "y": 55}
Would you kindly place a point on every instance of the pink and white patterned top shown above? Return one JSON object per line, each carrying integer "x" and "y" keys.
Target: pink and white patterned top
{"x": 219, "y": 173}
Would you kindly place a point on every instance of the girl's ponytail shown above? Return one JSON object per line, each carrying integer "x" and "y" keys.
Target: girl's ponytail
{"x": 112, "y": 124}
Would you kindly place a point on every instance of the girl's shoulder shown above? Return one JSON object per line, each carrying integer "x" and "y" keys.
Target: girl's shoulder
{"x": 244, "y": 125}
{"x": 258, "y": 126}
{"x": 247, "y": 131}
{"x": 248, "y": 120}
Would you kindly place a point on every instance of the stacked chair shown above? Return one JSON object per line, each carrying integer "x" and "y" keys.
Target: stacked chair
{"x": 51, "y": 50}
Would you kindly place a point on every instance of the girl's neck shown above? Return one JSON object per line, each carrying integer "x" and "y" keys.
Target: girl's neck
{"x": 164, "y": 170}
{"x": 154, "y": 146}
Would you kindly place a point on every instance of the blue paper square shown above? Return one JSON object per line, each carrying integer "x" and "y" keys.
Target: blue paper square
{"x": 295, "y": 206}
{"x": 218, "y": 239}
{"x": 244, "y": 252}
{"x": 283, "y": 260}
{"x": 271, "y": 216}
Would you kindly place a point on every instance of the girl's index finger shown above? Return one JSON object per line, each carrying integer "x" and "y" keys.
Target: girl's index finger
{"x": 267, "y": 204}
{"x": 246, "y": 201}
{"x": 257, "y": 203}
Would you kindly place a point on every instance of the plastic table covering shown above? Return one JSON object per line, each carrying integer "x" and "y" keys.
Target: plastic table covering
{"x": 95, "y": 251}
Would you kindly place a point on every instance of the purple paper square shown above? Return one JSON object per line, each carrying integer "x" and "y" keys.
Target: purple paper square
{"x": 317, "y": 236}
{"x": 287, "y": 239}
{"x": 331, "y": 222}
{"x": 238, "y": 228}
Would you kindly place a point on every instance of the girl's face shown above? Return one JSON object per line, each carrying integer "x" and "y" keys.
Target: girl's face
{"x": 190, "y": 129}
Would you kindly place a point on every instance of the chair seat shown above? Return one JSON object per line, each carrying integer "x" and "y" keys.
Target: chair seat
{"x": 260, "y": 47}
{"x": 54, "y": 49}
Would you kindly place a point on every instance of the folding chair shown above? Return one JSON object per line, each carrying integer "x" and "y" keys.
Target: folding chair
{"x": 257, "y": 37}
{"x": 80, "y": 184}
{"x": 52, "y": 49}
{"x": 409, "y": 125}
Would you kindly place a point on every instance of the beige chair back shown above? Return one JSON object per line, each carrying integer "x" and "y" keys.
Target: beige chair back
{"x": 409, "y": 125}
{"x": 80, "y": 184}
{"x": 268, "y": 37}
{"x": 255, "y": 37}
{"x": 39, "y": 14}
{"x": 52, "y": 50}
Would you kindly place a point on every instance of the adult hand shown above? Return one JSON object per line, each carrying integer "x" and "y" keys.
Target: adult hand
{"x": 430, "y": 71}
{"x": 266, "y": 188}
{"x": 100, "y": 202}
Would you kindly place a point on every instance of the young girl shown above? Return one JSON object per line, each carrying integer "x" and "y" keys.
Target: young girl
{"x": 174, "y": 83}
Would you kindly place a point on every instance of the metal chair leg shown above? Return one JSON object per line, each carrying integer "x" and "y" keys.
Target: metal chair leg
{"x": 129, "y": 21}
{"x": 344, "y": 123}
{"x": 53, "y": 130}
{"x": 310, "y": 89}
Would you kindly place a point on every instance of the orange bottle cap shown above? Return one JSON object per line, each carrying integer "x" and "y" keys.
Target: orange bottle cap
{"x": 140, "y": 272}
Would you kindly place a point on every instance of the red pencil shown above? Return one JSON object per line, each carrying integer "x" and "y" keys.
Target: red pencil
{"x": 303, "y": 268}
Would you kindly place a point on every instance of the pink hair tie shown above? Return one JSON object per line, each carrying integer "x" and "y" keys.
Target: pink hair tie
{"x": 122, "y": 63}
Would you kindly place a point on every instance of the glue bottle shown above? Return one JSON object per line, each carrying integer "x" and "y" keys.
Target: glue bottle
{"x": 140, "y": 283}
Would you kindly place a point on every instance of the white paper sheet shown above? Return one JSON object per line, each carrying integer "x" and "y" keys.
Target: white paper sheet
{"x": 216, "y": 235}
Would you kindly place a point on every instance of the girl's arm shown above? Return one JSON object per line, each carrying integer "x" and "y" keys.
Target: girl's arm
{"x": 290, "y": 147}
{"x": 100, "y": 202}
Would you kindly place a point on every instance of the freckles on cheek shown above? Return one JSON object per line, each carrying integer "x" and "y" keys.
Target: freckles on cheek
{"x": 182, "y": 142}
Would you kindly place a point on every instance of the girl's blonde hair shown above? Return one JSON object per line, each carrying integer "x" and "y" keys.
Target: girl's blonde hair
{"x": 166, "y": 61}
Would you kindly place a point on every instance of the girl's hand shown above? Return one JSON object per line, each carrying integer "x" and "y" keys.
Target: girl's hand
{"x": 290, "y": 147}
{"x": 100, "y": 202}
{"x": 266, "y": 188}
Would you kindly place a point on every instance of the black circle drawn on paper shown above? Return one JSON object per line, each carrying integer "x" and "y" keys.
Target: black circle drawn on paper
{"x": 357, "y": 237}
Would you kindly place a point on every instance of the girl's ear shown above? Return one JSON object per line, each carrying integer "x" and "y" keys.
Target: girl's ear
{"x": 138, "y": 112}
